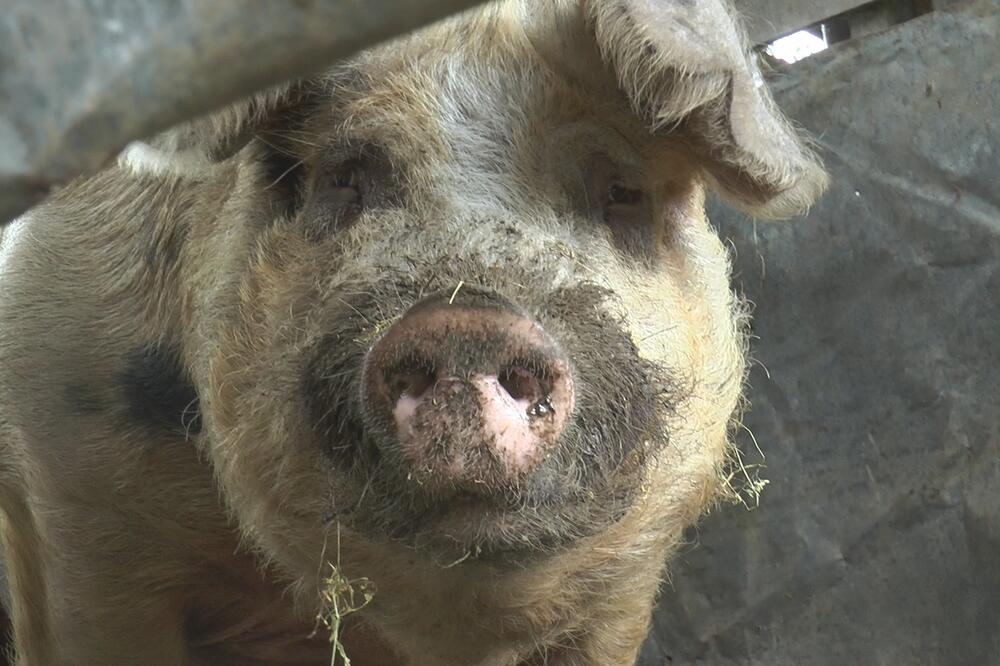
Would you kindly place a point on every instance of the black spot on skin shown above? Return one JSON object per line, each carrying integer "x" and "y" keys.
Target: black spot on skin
{"x": 162, "y": 248}
{"x": 157, "y": 391}
{"x": 169, "y": 249}
{"x": 84, "y": 399}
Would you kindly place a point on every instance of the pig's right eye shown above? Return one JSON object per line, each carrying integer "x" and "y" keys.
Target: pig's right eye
{"x": 345, "y": 183}
{"x": 338, "y": 196}
{"x": 343, "y": 191}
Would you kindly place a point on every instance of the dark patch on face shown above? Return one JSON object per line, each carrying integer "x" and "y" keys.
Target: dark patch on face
{"x": 330, "y": 391}
{"x": 635, "y": 241}
{"x": 84, "y": 399}
{"x": 284, "y": 148}
{"x": 157, "y": 391}
{"x": 284, "y": 175}
{"x": 163, "y": 245}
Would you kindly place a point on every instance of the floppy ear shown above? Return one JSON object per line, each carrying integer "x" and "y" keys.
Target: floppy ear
{"x": 200, "y": 143}
{"x": 684, "y": 67}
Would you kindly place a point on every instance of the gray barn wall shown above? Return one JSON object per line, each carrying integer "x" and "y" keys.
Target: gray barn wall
{"x": 878, "y": 318}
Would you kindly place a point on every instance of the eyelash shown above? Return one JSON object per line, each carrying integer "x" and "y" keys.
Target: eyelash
{"x": 346, "y": 176}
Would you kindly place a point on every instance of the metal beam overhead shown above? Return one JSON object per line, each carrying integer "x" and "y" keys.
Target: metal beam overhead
{"x": 79, "y": 79}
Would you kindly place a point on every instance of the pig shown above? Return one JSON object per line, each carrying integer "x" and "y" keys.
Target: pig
{"x": 440, "y": 337}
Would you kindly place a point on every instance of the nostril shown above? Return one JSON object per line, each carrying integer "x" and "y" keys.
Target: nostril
{"x": 467, "y": 395}
{"x": 522, "y": 384}
{"x": 411, "y": 381}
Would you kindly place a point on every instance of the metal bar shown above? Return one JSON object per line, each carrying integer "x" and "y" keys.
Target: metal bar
{"x": 79, "y": 79}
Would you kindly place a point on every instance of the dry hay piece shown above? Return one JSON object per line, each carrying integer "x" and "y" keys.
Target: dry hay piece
{"x": 341, "y": 596}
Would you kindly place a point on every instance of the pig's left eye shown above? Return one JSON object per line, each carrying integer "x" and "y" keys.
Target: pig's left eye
{"x": 624, "y": 209}
{"x": 624, "y": 196}
{"x": 611, "y": 194}
{"x": 613, "y": 199}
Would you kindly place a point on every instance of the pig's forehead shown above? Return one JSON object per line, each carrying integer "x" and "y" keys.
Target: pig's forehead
{"x": 478, "y": 72}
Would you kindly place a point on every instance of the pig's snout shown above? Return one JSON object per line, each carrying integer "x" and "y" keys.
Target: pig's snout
{"x": 475, "y": 392}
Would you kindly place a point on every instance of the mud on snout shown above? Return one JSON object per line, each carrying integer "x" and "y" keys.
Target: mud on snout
{"x": 488, "y": 401}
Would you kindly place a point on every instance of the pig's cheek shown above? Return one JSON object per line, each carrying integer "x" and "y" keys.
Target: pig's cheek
{"x": 657, "y": 316}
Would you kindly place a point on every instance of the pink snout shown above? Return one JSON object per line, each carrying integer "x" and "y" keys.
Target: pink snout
{"x": 476, "y": 393}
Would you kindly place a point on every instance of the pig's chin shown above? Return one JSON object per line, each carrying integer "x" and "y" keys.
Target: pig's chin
{"x": 544, "y": 514}
{"x": 469, "y": 530}
{"x": 474, "y": 529}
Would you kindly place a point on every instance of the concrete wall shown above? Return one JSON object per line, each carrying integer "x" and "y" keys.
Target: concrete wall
{"x": 878, "y": 322}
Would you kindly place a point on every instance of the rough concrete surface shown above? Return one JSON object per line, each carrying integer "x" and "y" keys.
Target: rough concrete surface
{"x": 878, "y": 376}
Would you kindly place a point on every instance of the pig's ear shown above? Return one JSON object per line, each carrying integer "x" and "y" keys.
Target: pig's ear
{"x": 685, "y": 67}
{"x": 206, "y": 141}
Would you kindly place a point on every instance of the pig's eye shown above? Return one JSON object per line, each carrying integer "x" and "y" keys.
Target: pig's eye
{"x": 611, "y": 194}
{"x": 613, "y": 199}
{"x": 346, "y": 176}
{"x": 343, "y": 190}
{"x": 345, "y": 183}
{"x": 338, "y": 196}
{"x": 623, "y": 208}
{"x": 621, "y": 195}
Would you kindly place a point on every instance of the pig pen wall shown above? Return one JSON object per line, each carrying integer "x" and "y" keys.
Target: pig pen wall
{"x": 875, "y": 398}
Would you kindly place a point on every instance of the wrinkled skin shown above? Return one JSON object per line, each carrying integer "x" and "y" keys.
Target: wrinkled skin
{"x": 187, "y": 443}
